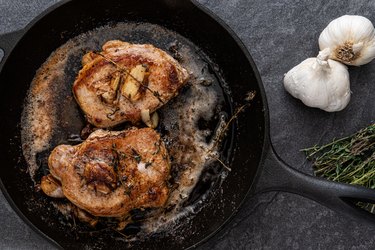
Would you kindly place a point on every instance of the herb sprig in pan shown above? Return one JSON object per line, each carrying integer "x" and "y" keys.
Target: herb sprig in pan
{"x": 349, "y": 160}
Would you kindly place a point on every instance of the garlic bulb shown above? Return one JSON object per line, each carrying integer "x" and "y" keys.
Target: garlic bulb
{"x": 320, "y": 83}
{"x": 351, "y": 40}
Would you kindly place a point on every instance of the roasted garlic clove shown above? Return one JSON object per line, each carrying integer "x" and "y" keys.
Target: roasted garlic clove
{"x": 151, "y": 121}
{"x": 109, "y": 97}
{"x": 133, "y": 82}
{"x": 115, "y": 82}
{"x": 154, "y": 120}
{"x": 51, "y": 187}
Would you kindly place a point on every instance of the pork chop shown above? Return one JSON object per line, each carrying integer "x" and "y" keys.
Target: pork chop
{"x": 112, "y": 173}
{"x": 116, "y": 84}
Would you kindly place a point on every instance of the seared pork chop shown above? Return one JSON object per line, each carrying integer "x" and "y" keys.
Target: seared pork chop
{"x": 112, "y": 173}
{"x": 115, "y": 85}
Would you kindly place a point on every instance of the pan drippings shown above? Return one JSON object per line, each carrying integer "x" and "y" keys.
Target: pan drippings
{"x": 189, "y": 124}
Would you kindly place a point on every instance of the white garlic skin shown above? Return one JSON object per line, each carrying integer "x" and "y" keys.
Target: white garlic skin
{"x": 351, "y": 40}
{"x": 320, "y": 84}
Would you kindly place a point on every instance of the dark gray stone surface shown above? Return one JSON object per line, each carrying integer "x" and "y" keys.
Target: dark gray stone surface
{"x": 279, "y": 34}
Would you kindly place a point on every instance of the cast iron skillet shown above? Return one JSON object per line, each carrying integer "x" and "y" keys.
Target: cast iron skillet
{"x": 253, "y": 160}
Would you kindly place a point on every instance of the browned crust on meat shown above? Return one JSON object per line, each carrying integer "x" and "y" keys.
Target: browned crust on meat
{"x": 166, "y": 77}
{"x": 112, "y": 173}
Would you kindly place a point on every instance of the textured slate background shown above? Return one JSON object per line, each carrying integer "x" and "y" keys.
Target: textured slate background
{"x": 279, "y": 34}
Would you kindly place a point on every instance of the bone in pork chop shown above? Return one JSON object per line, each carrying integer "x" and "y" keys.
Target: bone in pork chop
{"x": 123, "y": 80}
{"x": 111, "y": 173}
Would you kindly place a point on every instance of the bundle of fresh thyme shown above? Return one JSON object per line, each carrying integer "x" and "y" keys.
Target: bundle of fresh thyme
{"x": 349, "y": 160}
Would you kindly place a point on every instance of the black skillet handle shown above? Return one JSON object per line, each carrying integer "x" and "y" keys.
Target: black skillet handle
{"x": 7, "y": 42}
{"x": 278, "y": 176}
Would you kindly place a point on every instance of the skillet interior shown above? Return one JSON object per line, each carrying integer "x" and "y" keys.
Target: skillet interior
{"x": 75, "y": 17}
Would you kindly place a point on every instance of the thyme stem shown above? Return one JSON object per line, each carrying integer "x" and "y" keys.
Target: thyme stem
{"x": 126, "y": 71}
{"x": 349, "y": 160}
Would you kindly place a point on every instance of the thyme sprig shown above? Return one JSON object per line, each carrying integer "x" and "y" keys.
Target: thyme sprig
{"x": 248, "y": 98}
{"x": 348, "y": 160}
{"x": 127, "y": 72}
